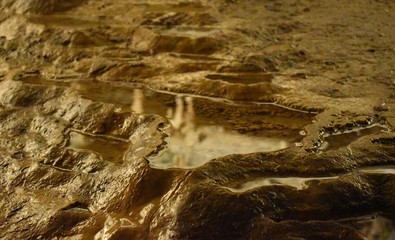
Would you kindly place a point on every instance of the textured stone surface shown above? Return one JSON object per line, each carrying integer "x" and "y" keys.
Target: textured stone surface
{"x": 299, "y": 71}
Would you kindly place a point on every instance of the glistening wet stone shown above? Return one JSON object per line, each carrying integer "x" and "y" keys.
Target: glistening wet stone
{"x": 151, "y": 74}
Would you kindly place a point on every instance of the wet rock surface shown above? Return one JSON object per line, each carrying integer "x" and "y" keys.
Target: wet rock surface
{"x": 197, "y": 119}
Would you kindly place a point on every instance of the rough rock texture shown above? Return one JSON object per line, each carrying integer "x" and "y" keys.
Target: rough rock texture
{"x": 272, "y": 68}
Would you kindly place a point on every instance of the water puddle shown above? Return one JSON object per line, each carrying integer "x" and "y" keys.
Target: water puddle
{"x": 341, "y": 139}
{"x": 126, "y": 96}
{"x": 199, "y": 134}
{"x": 181, "y": 7}
{"x": 201, "y": 128}
{"x": 190, "y": 32}
{"x": 296, "y": 182}
{"x": 55, "y": 21}
{"x": 111, "y": 150}
{"x": 246, "y": 78}
{"x": 379, "y": 170}
{"x": 188, "y": 148}
{"x": 195, "y": 57}
{"x": 132, "y": 98}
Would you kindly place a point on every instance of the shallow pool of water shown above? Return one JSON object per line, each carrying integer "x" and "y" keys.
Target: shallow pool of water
{"x": 379, "y": 170}
{"x": 201, "y": 128}
{"x": 296, "y": 182}
{"x": 245, "y": 78}
{"x": 341, "y": 139}
{"x": 111, "y": 150}
{"x": 191, "y": 146}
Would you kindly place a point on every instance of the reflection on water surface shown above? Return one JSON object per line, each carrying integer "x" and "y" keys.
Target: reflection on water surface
{"x": 110, "y": 149}
{"x": 190, "y": 145}
{"x": 341, "y": 139}
{"x": 201, "y": 128}
{"x": 296, "y": 182}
